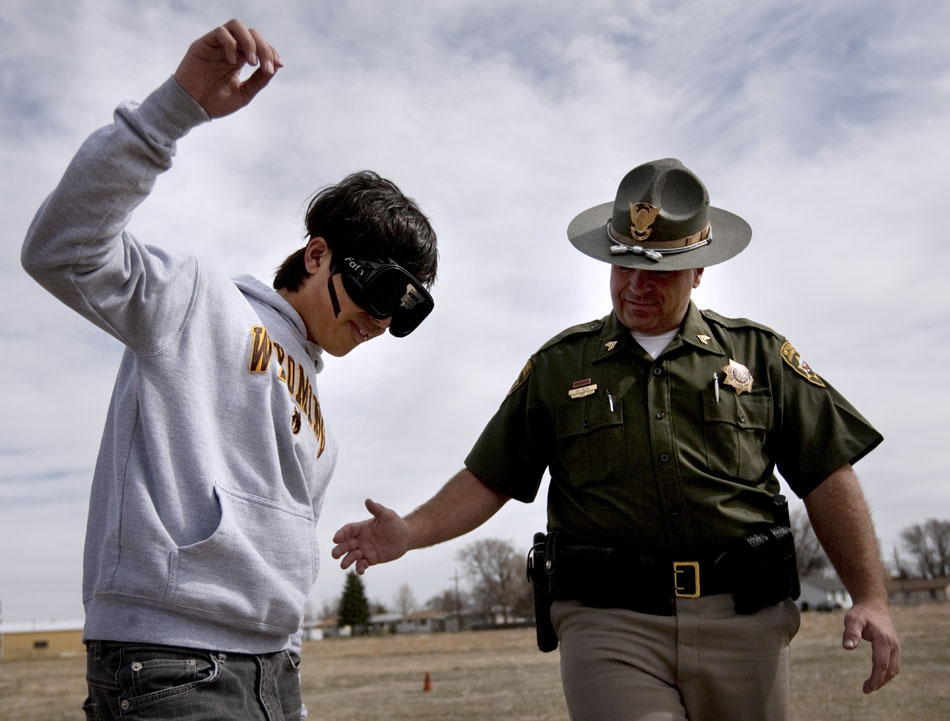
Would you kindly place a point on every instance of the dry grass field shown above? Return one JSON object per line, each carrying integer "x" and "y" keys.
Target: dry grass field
{"x": 495, "y": 675}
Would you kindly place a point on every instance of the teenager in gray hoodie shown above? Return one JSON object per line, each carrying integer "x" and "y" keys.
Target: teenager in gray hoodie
{"x": 200, "y": 547}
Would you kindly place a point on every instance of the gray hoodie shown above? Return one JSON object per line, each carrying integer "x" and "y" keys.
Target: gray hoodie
{"x": 215, "y": 458}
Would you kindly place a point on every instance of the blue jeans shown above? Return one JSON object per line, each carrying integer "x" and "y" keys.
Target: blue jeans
{"x": 139, "y": 681}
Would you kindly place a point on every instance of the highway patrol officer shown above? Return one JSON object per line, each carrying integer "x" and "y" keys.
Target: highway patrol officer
{"x": 661, "y": 425}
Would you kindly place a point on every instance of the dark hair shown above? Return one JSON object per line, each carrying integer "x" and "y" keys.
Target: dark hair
{"x": 368, "y": 217}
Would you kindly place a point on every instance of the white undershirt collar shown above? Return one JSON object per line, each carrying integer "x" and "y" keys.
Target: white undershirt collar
{"x": 654, "y": 344}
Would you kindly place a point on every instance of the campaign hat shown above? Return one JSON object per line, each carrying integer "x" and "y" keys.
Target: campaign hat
{"x": 661, "y": 219}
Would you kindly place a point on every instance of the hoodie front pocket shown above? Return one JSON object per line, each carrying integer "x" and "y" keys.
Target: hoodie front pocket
{"x": 255, "y": 570}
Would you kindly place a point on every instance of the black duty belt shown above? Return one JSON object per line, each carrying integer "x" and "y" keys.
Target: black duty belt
{"x": 610, "y": 578}
{"x": 758, "y": 569}
{"x": 605, "y": 577}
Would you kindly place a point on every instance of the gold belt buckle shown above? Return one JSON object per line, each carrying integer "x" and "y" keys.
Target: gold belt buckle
{"x": 683, "y": 591}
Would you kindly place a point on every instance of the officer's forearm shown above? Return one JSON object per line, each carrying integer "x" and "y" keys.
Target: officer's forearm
{"x": 461, "y": 505}
{"x": 842, "y": 522}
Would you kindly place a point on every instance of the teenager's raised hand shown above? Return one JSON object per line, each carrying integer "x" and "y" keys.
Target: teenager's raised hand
{"x": 210, "y": 72}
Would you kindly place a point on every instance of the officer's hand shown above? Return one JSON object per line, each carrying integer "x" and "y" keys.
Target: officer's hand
{"x": 382, "y": 538}
{"x": 210, "y": 71}
{"x": 873, "y": 623}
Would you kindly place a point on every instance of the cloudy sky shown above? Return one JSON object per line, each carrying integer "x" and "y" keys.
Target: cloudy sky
{"x": 823, "y": 124}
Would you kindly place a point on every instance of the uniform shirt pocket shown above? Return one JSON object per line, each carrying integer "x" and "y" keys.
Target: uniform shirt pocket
{"x": 590, "y": 441}
{"x": 735, "y": 429}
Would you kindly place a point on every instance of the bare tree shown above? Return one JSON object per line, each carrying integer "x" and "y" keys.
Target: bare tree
{"x": 329, "y": 609}
{"x": 810, "y": 557}
{"x": 497, "y": 573}
{"x": 404, "y": 600}
{"x": 898, "y": 566}
{"x": 452, "y": 601}
{"x": 927, "y": 546}
{"x": 449, "y": 601}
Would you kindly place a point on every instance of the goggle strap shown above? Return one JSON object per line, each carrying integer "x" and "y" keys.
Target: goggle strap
{"x": 333, "y": 299}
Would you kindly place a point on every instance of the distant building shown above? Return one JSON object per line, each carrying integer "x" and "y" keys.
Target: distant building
{"x": 427, "y": 621}
{"x": 823, "y": 593}
{"x": 319, "y": 629}
{"x": 909, "y": 591}
{"x": 40, "y": 639}
{"x": 424, "y": 621}
{"x": 381, "y": 623}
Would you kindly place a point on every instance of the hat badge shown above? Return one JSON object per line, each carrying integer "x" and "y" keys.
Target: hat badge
{"x": 642, "y": 218}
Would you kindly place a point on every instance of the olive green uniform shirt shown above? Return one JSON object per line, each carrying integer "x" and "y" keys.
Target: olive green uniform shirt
{"x": 649, "y": 454}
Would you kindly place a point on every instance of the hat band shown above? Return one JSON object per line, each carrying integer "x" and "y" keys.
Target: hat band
{"x": 658, "y": 248}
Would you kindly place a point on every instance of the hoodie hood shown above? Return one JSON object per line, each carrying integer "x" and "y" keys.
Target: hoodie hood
{"x": 265, "y": 295}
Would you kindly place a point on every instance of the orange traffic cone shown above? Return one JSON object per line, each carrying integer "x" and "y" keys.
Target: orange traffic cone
{"x": 427, "y": 686}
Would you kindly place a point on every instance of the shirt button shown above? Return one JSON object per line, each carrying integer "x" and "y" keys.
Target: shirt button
{"x": 659, "y": 415}
{"x": 657, "y": 371}
{"x": 586, "y": 423}
{"x": 741, "y": 419}
{"x": 665, "y": 458}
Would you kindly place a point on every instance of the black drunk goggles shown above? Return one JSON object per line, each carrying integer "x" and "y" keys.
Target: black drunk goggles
{"x": 383, "y": 289}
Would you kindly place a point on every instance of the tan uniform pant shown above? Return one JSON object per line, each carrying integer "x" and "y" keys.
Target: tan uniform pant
{"x": 706, "y": 663}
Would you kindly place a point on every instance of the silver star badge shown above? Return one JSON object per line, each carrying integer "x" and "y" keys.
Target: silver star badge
{"x": 738, "y": 376}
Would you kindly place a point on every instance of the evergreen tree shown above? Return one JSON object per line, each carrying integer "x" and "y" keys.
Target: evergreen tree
{"x": 354, "y": 608}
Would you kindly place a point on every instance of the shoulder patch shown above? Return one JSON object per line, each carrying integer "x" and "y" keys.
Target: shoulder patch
{"x": 794, "y": 359}
{"x": 522, "y": 377}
